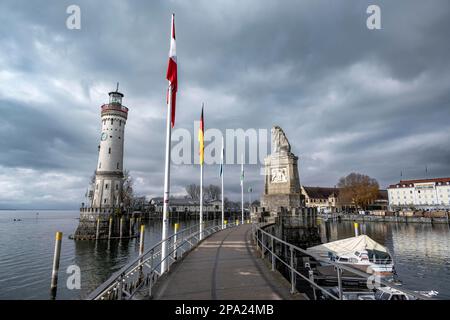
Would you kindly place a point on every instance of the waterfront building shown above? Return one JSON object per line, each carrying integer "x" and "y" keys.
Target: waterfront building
{"x": 327, "y": 200}
{"x": 324, "y": 199}
{"x": 105, "y": 196}
{"x": 186, "y": 205}
{"x": 420, "y": 194}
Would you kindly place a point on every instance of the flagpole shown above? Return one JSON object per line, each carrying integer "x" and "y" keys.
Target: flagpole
{"x": 242, "y": 187}
{"x": 201, "y": 202}
{"x": 222, "y": 184}
{"x": 166, "y": 182}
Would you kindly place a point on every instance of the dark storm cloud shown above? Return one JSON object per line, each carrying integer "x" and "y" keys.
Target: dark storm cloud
{"x": 349, "y": 99}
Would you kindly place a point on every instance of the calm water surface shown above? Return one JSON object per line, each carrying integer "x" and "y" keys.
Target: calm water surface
{"x": 26, "y": 254}
{"x": 421, "y": 253}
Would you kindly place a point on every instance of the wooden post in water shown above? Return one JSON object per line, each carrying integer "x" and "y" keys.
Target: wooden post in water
{"x": 141, "y": 241}
{"x": 175, "y": 230}
{"x": 121, "y": 227}
{"x": 97, "y": 233}
{"x": 131, "y": 227}
{"x": 110, "y": 227}
{"x": 355, "y": 225}
{"x": 55, "y": 269}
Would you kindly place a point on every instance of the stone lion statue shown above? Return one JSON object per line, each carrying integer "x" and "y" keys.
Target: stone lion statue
{"x": 279, "y": 141}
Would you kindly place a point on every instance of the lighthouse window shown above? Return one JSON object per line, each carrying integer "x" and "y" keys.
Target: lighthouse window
{"x": 100, "y": 165}
{"x": 104, "y": 201}
{"x": 112, "y": 121}
{"x": 109, "y": 151}
{"x": 117, "y": 187}
{"x": 120, "y": 123}
{"x": 106, "y": 186}
{"x": 117, "y": 165}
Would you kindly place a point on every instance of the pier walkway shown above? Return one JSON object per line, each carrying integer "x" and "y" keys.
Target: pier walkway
{"x": 224, "y": 266}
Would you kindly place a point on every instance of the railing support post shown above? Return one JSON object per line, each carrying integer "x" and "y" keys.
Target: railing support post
{"x": 273, "y": 253}
{"x": 262, "y": 245}
{"x": 292, "y": 271}
{"x": 311, "y": 277}
{"x": 339, "y": 282}
{"x": 119, "y": 289}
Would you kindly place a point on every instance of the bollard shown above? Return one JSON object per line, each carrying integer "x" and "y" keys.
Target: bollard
{"x": 175, "y": 230}
{"x": 225, "y": 223}
{"x": 355, "y": 225}
{"x": 121, "y": 228}
{"x": 311, "y": 278}
{"x": 237, "y": 222}
{"x": 97, "y": 233}
{"x": 56, "y": 257}
{"x": 110, "y": 227}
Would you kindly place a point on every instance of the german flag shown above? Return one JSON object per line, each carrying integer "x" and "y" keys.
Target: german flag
{"x": 201, "y": 133}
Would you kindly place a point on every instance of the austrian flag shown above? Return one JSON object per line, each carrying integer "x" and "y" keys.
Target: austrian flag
{"x": 172, "y": 72}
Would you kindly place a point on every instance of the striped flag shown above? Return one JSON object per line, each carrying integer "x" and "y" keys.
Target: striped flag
{"x": 201, "y": 133}
{"x": 172, "y": 72}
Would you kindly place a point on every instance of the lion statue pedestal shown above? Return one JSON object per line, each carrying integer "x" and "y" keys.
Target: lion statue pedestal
{"x": 282, "y": 182}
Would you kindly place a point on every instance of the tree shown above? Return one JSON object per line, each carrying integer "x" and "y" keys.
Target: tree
{"x": 212, "y": 192}
{"x": 127, "y": 190}
{"x": 193, "y": 191}
{"x": 359, "y": 189}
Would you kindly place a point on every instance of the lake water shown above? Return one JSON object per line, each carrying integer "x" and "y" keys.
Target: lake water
{"x": 421, "y": 253}
{"x": 27, "y": 246}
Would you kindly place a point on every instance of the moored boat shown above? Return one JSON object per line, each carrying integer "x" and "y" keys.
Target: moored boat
{"x": 360, "y": 252}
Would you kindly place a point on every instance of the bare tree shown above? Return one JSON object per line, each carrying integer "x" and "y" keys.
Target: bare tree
{"x": 358, "y": 189}
{"x": 212, "y": 192}
{"x": 127, "y": 190}
{"x": 193, "y": 191}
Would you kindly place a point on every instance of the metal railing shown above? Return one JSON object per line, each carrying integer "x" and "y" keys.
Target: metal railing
{"x": 267, "y": 243}
{"x": 141, "y": 274}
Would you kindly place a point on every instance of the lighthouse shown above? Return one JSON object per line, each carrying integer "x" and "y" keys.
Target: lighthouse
{"x": 109, "y": 172}
{"x": 103, "y": 216}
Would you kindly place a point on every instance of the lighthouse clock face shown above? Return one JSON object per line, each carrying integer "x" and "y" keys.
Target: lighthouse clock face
{"x": 104, "y": 136}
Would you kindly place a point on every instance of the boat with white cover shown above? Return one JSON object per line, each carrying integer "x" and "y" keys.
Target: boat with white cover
{"x": 360, "y": 252}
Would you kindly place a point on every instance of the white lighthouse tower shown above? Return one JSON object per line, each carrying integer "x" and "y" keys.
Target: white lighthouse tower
{"x": 104, "y": 216}
{"x": 109, "y": 172}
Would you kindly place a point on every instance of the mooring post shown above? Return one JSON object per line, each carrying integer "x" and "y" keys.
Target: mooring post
{"x": 121, "y": 227}
{"x": 311, "y": 277}
{"x": 292, "y": 271}
{"x": 175, "y": 230}
{"x": 355, "y": 225}
{"x": 130, "y": 233}
{"x": 55, "y": 269}
{"x": 110, "y": 227}
{"x": 141, "y": 250}
{"x": 141, "y": 240}
{"x": 97, "y": 233}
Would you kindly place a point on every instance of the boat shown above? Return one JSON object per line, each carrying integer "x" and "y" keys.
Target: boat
{"x": 360, "y": 252}
{"x": 381, "y": 293}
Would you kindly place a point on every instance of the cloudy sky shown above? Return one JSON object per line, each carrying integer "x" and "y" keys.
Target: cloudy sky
{"x": 348, "y": 98}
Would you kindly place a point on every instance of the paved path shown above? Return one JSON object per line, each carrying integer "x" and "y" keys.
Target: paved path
{"x": 224, "y": 266}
